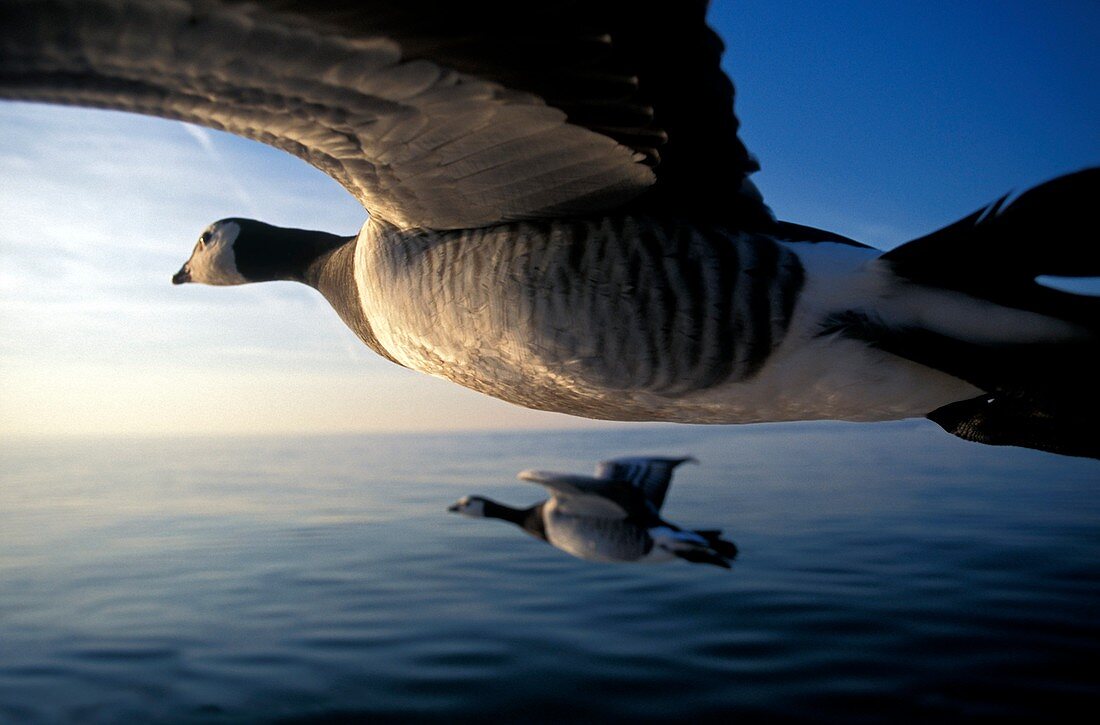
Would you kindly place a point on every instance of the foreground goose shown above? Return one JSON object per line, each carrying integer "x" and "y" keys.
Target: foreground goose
{"x": 561, "y": 215}
{"x": 614, "y": 516}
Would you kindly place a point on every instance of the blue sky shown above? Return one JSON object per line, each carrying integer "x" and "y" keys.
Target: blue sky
{"x": 880, "y": 120}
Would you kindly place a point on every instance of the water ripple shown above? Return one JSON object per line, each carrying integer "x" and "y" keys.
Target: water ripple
{"x": 303, "y": 581}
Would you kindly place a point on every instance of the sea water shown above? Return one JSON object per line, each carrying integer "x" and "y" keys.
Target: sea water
{"x": 886, "y": 572}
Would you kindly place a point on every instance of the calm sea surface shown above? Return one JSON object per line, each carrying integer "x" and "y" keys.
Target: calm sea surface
{"x": 886, "y": 571}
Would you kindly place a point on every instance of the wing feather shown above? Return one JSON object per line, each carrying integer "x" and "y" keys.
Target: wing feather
{"x": 433, "y": 114}
{"x": 652, "y": 476}
{"x": 419, "y": 144}
{"x": 582, "y": 495}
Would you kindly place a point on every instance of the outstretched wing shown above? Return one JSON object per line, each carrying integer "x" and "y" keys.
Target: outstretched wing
{"x": 433, "y": 114}
{"x": 584, "y": 495}
{"x": 651, "y": 475}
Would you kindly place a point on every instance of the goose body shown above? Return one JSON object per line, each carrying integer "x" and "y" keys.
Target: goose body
{"x": 561, "y": 215}
{"x": 589, "y": 317}
{"x": 613, "y": 516}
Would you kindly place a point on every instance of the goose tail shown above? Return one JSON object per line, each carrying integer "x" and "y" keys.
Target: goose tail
{"x": 1032, "y": 349}
{"x": 698, "y": 547}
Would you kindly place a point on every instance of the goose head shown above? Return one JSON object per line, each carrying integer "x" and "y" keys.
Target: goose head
{"x": 239, "y": 251}
{"x": 214, "y": 258}
{"x": 472, "y": 506}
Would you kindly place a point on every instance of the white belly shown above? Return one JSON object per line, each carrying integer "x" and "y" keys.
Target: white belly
{"x": 596, "y": 539}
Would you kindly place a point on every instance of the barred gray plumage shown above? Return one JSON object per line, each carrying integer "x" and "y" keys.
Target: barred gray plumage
{"x": 617, "y": 303}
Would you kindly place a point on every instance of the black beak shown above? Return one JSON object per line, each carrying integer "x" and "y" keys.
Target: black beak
{"x": 453, "y": 508}
{"x": 182, "y": 276}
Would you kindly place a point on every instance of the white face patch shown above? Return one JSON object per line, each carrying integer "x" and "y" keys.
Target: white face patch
{"x": 472, "y": 507}
{"x": 213, "y": 260}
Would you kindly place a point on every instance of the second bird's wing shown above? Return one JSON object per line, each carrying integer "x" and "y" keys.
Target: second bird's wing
{"x": 652, "y": 476}
{"x": 584, "y": 495}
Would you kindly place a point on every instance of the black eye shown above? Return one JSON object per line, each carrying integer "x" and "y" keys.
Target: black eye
{"x": 204, "y": 239}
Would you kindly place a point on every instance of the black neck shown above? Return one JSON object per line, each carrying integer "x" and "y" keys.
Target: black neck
{"x": 528, "y": 519}
{"x": 265, "y": 253}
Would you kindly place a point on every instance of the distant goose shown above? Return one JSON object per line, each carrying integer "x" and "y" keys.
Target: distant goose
{"x": 614, "y": 516}
{"x": 561, "y": 215}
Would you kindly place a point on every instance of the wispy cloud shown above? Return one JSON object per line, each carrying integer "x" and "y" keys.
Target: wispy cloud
{"x": 226, "y": 175}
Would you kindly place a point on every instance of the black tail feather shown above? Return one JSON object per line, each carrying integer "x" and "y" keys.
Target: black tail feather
{"x": 703, "y": 556}
{"x": 714, "y": 539}
{"x": 718, "y": 551}
{"x": 997, "y": 252}
{"x": 1043, "y": 395}
{"x": 1038, "y": 395}
{"x": 1057, "y": 376}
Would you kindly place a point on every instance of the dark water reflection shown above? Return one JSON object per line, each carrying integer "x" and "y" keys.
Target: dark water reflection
{"x": 885, "y": 571}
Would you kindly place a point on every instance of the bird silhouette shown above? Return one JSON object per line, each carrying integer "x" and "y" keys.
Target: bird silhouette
{"x": 614, "y": 516}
